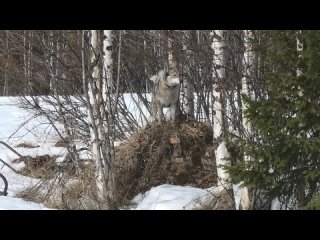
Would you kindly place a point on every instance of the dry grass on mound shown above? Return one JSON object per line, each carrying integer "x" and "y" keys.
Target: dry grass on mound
{"x": 37, "y": 167}
{"x": 180, "y": 154}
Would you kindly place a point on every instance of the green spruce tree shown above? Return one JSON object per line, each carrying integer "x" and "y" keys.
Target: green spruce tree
{"x": 285, "y": 147}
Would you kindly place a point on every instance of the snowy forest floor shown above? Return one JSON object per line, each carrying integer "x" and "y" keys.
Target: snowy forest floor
{"x": 18, "y": 132}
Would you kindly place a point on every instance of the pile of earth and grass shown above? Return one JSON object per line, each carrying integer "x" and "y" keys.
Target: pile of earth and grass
{"x": 167, "y": 153}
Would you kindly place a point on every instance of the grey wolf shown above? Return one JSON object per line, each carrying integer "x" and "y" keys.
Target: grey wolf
{"x": 165, "y": 93}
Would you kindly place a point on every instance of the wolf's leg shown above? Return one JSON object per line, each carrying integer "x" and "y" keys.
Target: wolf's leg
{"x": 154, "y": 109}
{"x": 173, "y": 110}
{"x": 160, "y": 113}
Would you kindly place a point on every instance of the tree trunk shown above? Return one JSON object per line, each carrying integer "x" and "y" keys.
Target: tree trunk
{"x": 187, "y": 102}
{"x": 221, "y": 153}
{"x": 145, "y": 59}
{"x": 99, "y": 106}
{"x": 95, "y": 101}
{"x": 108, "y": 92}
{"x": 171, "y": 59}
{"x": 301, "y": 186}
{"x": 25, "y": 61}
{"x": 29, "y": 65}
{"x": 6, "y": 81}
{"x": 53, "y": 79}
{"x": 247, "y": 63}
{"x": 173, "y": 65}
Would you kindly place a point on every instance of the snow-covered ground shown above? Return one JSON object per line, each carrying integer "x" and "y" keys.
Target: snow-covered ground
{"x": 171, "y": 197}
{"x": 15, "y": 130}
{"x": 10, "y": 203}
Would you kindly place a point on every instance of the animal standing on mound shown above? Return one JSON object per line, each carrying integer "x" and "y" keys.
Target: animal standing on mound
{"x": 165, "y": 93}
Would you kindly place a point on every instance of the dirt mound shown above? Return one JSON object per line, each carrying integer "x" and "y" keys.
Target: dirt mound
{"x": 180, "y": 154}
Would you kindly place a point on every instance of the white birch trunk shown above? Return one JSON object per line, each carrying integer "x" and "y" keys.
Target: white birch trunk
{"x": 173, "y": 65}
{"x": 108, "y": 90}
{"x": 107, "y": 47}
{"x": 171, "y": 60}
{"x": 187, "y": 100}
{"x": 301, "y": 186}
{"x": 88, "y": 88}
{"x": 100, "y": 111}
{"x": 221, "y": 153}
{"x": 299, "y": 49}
{"x": 247, "y": 63}
{"x": 198, "y": 41}
{"x": 95, "y": 133}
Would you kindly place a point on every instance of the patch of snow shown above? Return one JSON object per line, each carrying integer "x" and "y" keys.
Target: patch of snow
{"x": 14, "y": 129}
{"x": 275, "y": 204}
{"x": 10, "y": 203}
{"x": 237, "y": 190}
{"x": 172, "y": 197}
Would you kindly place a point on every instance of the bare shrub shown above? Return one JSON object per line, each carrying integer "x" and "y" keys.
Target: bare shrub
{"x": 66, "y": 190}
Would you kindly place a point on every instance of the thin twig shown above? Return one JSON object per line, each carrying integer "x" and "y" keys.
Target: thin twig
{"x": 6, "y": 164}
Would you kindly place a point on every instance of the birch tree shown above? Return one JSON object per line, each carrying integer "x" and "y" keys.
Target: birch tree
{"x": 247, "y": 63}
{"x": 300, "y": 186}
{"x": 98, "y": 98}
{"x": 110, "y": 102}
{"x": 171, "y": 59}
{"x": 221, "y": 153}
{"x": 187, "y": 101}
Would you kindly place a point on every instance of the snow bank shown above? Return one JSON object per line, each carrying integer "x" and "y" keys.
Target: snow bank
{"x": 10, "y": 203}
{"x": 171, "y": 197}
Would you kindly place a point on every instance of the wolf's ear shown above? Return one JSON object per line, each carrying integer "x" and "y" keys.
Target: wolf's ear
{"x": 163, "y": 74}
{"x": 157, "y": 77}
{"x": 154, "y": 78}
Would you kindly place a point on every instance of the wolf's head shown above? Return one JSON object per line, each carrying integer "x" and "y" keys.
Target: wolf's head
{"x": 169, "y": 77}
{"x": 172, "y": 78}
